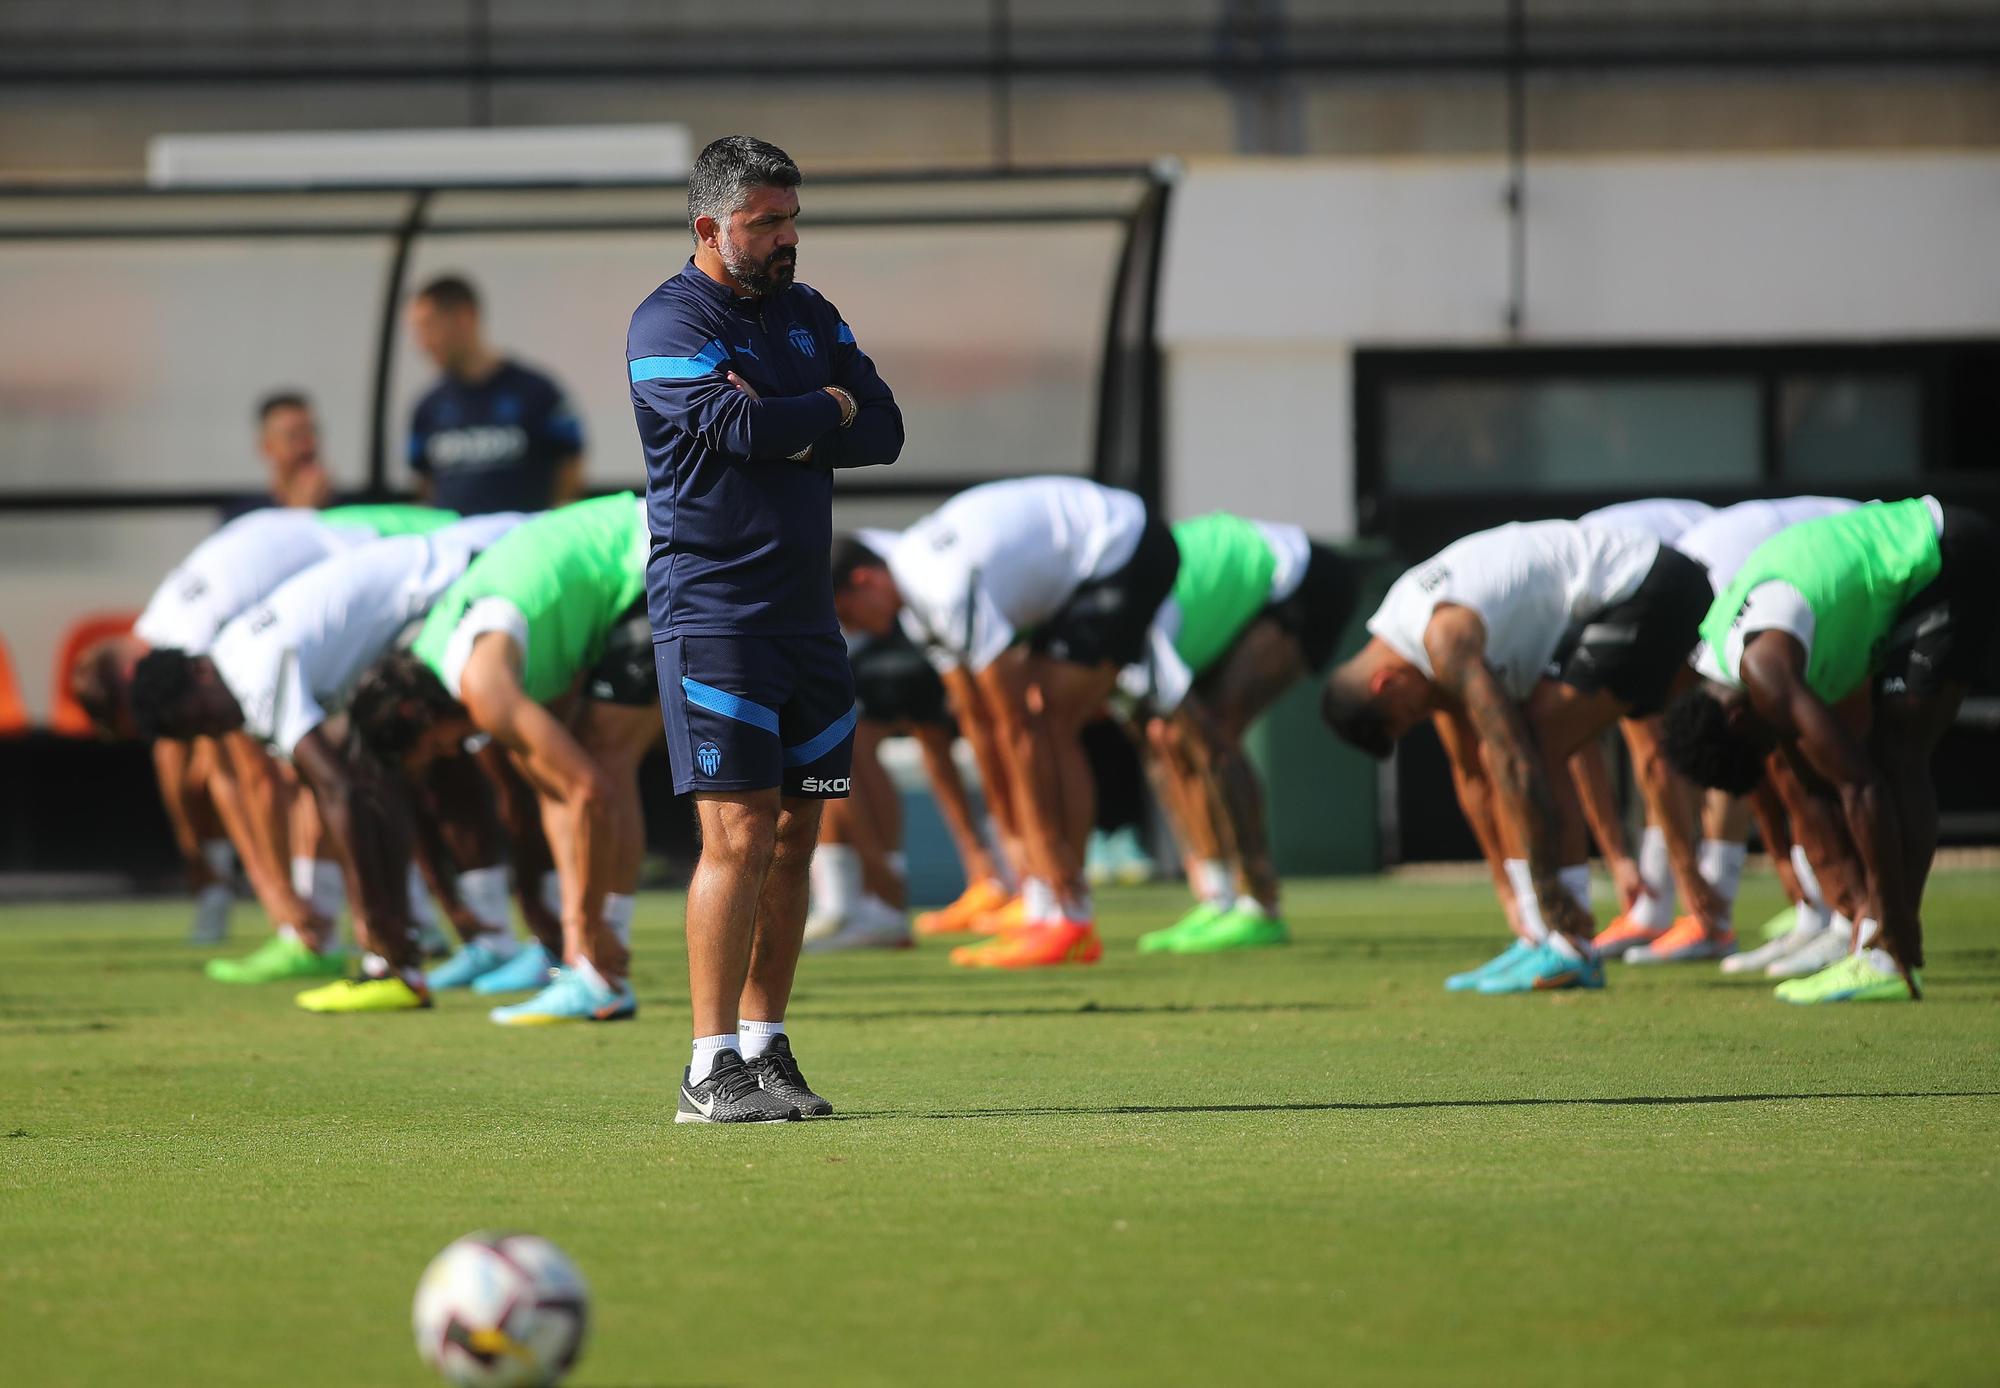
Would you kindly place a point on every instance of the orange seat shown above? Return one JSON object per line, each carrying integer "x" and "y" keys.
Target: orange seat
{"x": 66, "y": 715}
{"x": 13, "y": 711}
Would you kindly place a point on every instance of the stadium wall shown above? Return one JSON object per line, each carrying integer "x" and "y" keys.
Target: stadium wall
{"x": 1276, "y": 274}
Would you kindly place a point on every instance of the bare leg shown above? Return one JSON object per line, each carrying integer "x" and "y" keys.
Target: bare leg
{"x": 781, "y": 915}
{"x": 617, "y": 737}
{"x": 1907, "y": 731}
{"x": 739, "y": 835}
{"x": 528, "y": 846}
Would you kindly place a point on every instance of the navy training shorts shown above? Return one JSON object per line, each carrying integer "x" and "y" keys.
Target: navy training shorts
{"x": 753, "y": 712}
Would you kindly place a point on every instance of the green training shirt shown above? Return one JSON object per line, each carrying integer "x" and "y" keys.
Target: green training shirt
{"x": 1855, "y": 571}
{"x": 1224, "y": 582}
{"x": 572, "y": 573}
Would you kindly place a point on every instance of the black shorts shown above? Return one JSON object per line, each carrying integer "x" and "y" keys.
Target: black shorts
{"x": 625, "y": 674}
{"x": 895, "y": 683}
{"x": 1945, "y": 634}
{"x": 1105, "y": 621}
{"x": 1635, "y": 648}
{"x": 753, "y": 712}
{"x": 1317, "y": 611}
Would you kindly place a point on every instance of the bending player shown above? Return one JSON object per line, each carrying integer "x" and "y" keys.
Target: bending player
{"x": 279, "y": 673}
{"x": 541, "y": 646}
{"x": 1840, "y": 654}
{"x": 1031, "y": 595}
{"x": 1703, "y": 834}
{"x": 860, "y": 892}
{"x": 1466, "y": 640}
{"x": 1256, "y": 607}
{"x": 237, "y": 566}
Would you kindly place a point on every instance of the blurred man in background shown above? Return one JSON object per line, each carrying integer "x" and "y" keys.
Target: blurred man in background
{"x": 492, "y": 435}
{"x": 288, "y": 443}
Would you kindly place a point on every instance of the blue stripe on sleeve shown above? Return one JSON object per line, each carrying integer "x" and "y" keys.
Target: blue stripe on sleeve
{"x": 703, "y": 363}
{"x": 806, "y": 753}
{"x": 729, "y": 705}
{"x": 845, "y": 335}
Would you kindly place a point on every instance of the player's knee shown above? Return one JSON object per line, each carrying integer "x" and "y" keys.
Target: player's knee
{"x": 743, "y": 837}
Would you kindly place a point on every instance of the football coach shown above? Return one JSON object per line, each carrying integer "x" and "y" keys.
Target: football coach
{"x": 750, "y": 390}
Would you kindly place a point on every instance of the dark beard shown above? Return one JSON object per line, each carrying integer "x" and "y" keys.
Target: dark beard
{"x": 774, "y": 273}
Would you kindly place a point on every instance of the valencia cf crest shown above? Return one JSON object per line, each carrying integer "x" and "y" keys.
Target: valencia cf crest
{"x": 708, "y": 757}
{"x": 802, "y": 340}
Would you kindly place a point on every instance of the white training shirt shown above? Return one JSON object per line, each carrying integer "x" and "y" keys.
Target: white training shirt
{"x": 292, "y": 659}
{"x": 1000, "y": 559}
{"x": 238, "y": 565}
{"x": 1666, "y": 519}
{"x": 1526, "y": 582}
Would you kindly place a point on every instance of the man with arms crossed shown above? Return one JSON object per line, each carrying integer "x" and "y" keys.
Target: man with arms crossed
{"x": 1467, "y": 639}
{"x": 749, "y": 390}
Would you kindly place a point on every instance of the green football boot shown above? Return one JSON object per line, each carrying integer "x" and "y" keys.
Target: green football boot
{"x": 1240, "y": 928}
{"x": 1869, "y": 976}
{"x": 280, "y": 957}
{"x": 1162, "y": 941}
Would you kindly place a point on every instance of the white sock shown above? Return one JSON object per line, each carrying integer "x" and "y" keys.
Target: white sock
{"x": 220, "y": 855}
{"x": 1654, "y": 868}
{"x": 321, "y": 884}
{"x": 899, "y": 863}
{"x": 484, "y": 892}
{"x": 1576, "y": 881}
{"x": 617, "y": 917}
{"x": 1218, "y": 884}
{"x": 1563, "y": 945}
{"x": 1526, "y": 904}
{"x": 588, "y": 972}
{"x": 1865, "y": 935}
{"x": 835, "y": 876}
{"x": 1247, "y": 905}
{"x": 1802, "y": 868}
{"x": 1806, "y": 916}
{"x": 423, "y": 911}
{"x": 1721, "y": 863}
{"x": 1879, "y": 960}
{"x": 706, "y": 1048}
{"x": 755, "y": 1038}
{"x": 1038, "y": 900}
{"x": 552, "y": 892}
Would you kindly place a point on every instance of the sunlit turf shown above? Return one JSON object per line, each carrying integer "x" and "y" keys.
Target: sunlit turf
{"x": 1308, "y": 1165}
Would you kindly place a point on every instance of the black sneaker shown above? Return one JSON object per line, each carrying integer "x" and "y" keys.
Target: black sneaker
{"x": 779, "y": 1075}
{"x": 731, "y": 1094}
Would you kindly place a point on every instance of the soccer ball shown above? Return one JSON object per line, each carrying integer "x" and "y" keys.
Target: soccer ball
{"x": 500, "y": 1311}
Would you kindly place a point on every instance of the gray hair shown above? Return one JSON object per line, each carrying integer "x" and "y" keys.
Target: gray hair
{"x": 728, "y": 167}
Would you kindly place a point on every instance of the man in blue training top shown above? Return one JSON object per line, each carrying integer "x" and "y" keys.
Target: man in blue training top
{"x": 749, "y": 391}
{"x": 492, "y": 434}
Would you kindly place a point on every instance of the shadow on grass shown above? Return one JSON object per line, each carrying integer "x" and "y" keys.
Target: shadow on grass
{"x": 1407, "y": 1105}
{"x": 1081, "y": 1009}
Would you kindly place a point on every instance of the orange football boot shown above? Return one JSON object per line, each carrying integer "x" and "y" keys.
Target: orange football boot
{"x": 978, "y": 901}
{"x": 1621, "y": 935}
{"x": 1686, "y": 939}
{"x": 1037, "y": 946}
{"x": 1008, "y": 919}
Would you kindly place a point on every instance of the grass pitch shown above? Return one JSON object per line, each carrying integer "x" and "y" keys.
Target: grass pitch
{"x": 1309, "y": 1165}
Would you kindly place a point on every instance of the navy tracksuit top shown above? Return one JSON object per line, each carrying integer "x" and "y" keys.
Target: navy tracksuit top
{"x": 741, "y": 534}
